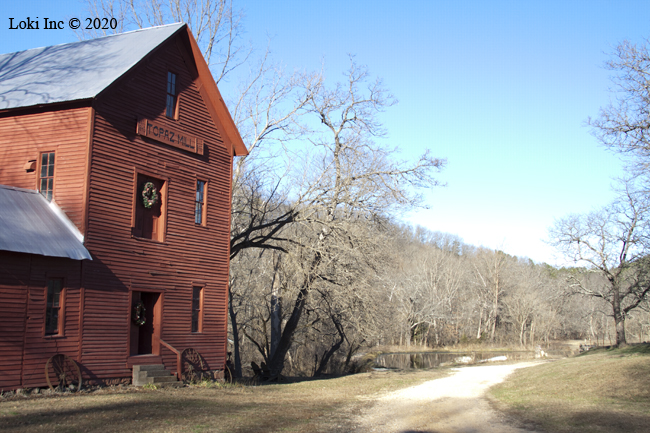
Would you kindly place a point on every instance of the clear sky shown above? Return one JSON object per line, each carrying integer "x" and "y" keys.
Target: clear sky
{"x": 501, "y": 89}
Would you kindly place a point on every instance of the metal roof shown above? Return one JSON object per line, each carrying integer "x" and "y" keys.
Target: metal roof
{"x": 30, "y": 224}
{"x": 75, "y": 71}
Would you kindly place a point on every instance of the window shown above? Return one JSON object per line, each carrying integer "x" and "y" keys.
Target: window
{"x": 46, "y": 183}
{"x": 172, "y": 96}
{"x": 149, "y": 215}
{"x": 197, "y": 308}
{"x": 53, "y": 309}
{"x": 199, "y": 203}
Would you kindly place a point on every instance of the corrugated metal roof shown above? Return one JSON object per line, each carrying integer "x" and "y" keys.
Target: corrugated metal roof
{"x": 30, "y": 224}
{"x": 75, "y": 71}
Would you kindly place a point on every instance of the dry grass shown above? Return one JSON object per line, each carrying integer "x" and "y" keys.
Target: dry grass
{"x": 606, "y": 390}
{"x": 309, "y": 406}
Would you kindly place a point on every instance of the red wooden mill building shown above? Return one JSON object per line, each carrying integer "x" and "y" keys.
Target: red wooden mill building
{"x": 115, "y": 184}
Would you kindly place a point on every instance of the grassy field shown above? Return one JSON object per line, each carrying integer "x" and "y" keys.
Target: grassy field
{"x": 309, "y": 406}
{"x": 603, "y": 390}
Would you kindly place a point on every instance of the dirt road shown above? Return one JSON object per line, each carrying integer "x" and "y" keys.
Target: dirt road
{"x": 452, "y": 404}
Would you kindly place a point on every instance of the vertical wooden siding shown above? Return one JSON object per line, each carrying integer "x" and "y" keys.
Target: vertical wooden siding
{"x": 24, "y": 347}
{"x": 189, "y": 254}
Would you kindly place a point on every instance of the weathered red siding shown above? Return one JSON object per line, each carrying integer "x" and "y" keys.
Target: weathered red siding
{"x": 190, "y": 254}
{"x": 65, "y": 131}
{"x": 14, "y": 275}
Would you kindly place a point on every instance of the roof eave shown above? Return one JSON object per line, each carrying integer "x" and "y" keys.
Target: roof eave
{"x": 52, "y": 106}
{"x": 230, "y": 129}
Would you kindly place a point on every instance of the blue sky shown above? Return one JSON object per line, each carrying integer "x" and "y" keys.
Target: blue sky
{"x": 502, "y": 89}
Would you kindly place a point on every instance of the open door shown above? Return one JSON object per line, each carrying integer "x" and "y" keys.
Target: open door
{"x": 145, "y": 323}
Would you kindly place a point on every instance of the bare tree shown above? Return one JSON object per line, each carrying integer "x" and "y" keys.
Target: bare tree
{"x": 490, "y": 282}
{"x": 426, "y": 290}
{"x": 347, "y": 175}
{"x": 532, "y": 302}
{"x": 613, "y": 242}
{"x": 216, "y": 26}
{"x": 267, "y": 114}
{"x": 343, "y": 310}
{"x": 624, "y": 125}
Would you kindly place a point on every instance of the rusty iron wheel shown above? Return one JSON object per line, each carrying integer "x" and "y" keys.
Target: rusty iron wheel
{"x": 194, "y": 366}
{"x": 62, "y": 372}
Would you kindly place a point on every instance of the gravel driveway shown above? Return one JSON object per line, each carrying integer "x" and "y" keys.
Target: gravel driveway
{"x": 452, "y": 404}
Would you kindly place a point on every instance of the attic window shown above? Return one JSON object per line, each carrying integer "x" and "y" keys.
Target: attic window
{"x": 172, "y": 96}
{"x": 46, "y": 180}
{"x": 199, "y": 202}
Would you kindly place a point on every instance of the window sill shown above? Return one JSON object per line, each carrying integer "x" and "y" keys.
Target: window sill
{"x": 138, "y": 238}
{"x": 53, "y": 336}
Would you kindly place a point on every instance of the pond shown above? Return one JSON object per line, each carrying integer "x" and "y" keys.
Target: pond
{"x": 435, "y": 359}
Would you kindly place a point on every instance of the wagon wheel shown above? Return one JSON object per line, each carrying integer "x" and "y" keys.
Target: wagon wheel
{"x": 61, "y": 372}
{"x": 194, "y": 366}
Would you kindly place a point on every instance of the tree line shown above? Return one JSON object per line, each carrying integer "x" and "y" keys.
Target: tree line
{"x": 405, "y": 286}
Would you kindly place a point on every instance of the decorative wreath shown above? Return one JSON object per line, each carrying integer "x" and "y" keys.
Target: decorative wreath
{"x": 138, "y": 313}
{"x": 149, "y": 195}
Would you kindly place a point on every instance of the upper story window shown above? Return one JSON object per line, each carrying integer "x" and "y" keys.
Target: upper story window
{"x": 46, "y": 178}
{"x": 199, "y": 202}
{"x": 53, "y": 316}
{"x": 149, "y": 215}
{"x": 172, "y": 96}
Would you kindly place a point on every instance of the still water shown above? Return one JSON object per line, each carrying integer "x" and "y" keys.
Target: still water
{"x": 435, "y": 359}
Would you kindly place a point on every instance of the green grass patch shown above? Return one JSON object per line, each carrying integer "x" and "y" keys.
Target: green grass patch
{"x": 638, "y": 349}
{"x": 604, "y": 390}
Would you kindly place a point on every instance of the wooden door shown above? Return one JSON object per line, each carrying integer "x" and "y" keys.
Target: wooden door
{"x": 145, "y": 336}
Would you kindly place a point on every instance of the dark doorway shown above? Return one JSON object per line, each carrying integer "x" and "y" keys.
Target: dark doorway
{"x": 144, "y": 336}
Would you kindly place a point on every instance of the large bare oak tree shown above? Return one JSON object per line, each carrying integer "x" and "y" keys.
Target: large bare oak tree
{"x": 613, "y": 242}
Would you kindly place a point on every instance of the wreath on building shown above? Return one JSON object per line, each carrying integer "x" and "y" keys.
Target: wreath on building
{"x": 149, "y": 195}
{"x": 139, "y": 313}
